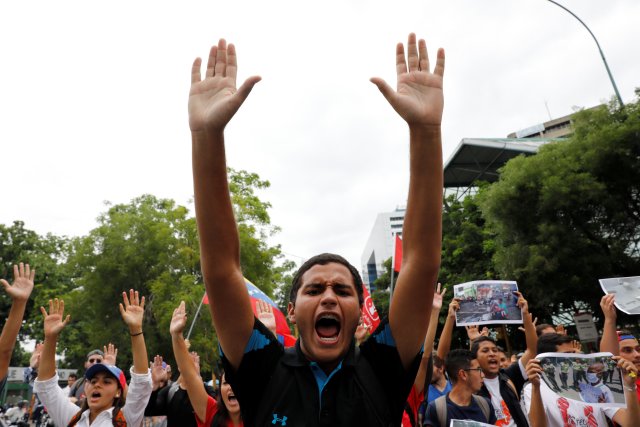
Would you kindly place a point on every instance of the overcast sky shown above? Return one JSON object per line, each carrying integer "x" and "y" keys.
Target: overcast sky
{"x": 93, "y": 99}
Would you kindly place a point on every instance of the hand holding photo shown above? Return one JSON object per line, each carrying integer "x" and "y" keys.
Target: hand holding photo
{"x": 485, "y": 302}
{"x": 626, "y": 291}
{"x": 587, "y": 378}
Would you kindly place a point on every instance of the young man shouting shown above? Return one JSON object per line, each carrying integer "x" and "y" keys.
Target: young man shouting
{"x": 325, "y": 380}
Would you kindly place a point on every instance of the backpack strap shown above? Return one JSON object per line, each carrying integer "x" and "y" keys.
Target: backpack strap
{"x": 441, "y": 410}
{"x": 484, "y": 406}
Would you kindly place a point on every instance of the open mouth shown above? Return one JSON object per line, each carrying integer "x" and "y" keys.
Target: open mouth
{"x": 232, "y": 398}
{"x": 494, "y": 364}
{"x": 328, "y": 328}
{"x": 95, "y": 395}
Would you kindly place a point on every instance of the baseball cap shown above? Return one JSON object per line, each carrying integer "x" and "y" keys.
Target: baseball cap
{"x": 110, "y": 369}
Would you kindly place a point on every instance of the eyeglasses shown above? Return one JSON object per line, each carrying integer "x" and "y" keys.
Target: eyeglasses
{"x": 478, "y": 369}
{"x": 95, "y": 360}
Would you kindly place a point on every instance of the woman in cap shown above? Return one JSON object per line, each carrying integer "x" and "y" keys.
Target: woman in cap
{"x": 108, "y": 402}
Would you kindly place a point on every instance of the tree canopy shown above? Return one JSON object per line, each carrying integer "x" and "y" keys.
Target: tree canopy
{"x": 150, "y": 245}
{"x": 570, "y": 214}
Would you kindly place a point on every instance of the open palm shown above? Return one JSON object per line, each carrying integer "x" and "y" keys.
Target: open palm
{"x": 214, "y": 100}
{"x": 132, "y": 309}
{"x": 418, "y": 97}
{"x": 179, "y": 320}
{"x": 54, "y": 320}
{"x": 22, "y": 285}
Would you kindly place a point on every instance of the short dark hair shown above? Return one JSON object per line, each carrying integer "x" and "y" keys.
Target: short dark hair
{"x": 456, "y": 360}
{"x": 437, "y": 361}
{"x": 549, "y": 343}
{"x": 541, "y": 327}
{"x": 324, "y": 259}
{"x": 72, "y": 376}
{"x": 475, "y": 345}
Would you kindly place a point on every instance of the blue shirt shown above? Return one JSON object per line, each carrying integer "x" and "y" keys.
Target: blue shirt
{"x": 434, "y": 393}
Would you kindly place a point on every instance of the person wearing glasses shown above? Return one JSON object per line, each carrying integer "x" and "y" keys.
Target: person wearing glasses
{"x": 461, "y": 403}
{"x": 76, "y": 392}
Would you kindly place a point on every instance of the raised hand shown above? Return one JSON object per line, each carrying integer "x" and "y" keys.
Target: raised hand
{"x": 195, "y": 357}
{"x": 34, "y": 361}
{"x": 577, "y": 346}
{"x": 110, "y": 354}
{"x": 22, "y": 285}
{"x": 179, "y": 320}
{"x": 608, "y": 307}
{"x": 438, "y": 297}
{"x": 54, "y": 321}
{"x": 265, "y": 315}
{"x": 418, "y": 99}
{"x": 132, "y": 311}
{"x": 522, "y": 303}
{"x": 474, "y": 332}
{"x": 361, "y": 332}
{"x": 158, "y": 372}
{"x": 534, "y": 321}
{"x": 214, "y": 100}
{"x": 454, "y": 306}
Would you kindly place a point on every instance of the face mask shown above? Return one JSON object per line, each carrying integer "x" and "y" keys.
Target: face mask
{"x": 592, "y": 378}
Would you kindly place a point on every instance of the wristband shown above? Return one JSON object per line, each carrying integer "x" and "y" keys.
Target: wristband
{"x": 135, "y": 335}
{"x": 634, "y": 388}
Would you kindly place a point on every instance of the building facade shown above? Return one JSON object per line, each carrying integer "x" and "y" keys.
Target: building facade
{"x": 379, "y": 246}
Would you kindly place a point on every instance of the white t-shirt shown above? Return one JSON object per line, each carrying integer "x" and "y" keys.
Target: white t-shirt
{"x": 562, "y": 412}
{"x": 503, "y": 415}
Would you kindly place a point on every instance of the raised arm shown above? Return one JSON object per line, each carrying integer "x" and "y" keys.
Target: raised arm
{"x": 445, "y": 338}
{"x": 529, "y": 331}
{"x": 190, "y": 376}
{"x": 537, "y": 416}
{"x": 609, "y": 341}
{"x": 54, "y": 323}
{"x": 429, "y": 339}
{"x": 132, "y": 311}
{"x": 19, "y": 292}
{"x": 212, "y": 103}
{"x": 419, "y": 101}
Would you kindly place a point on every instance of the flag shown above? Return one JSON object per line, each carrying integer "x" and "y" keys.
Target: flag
{"x": 369, "y": 313}
{"x": 397, "y": 254}
{"x": 282, "y": 328}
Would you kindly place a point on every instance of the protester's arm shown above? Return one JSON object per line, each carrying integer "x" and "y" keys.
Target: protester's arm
{"x": 419, "y": 101}
{"x": 474, "y": 332}
{"x": 537, "y": 416}
{"x": 54, "y": 323}
{"x": 529, "y": 331}
{"x": 609, "y": 341}
{"x": 190, "y": 376}
{"x": 447, "y": 331}
{"x": 429, "y": 339}
{"x": 19, "y": 292}
{"x": 212, "y": 103}
{"x": 629, "y": 416}
{"x": 133, "y": 314}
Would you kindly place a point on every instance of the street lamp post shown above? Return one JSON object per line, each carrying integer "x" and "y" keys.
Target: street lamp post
{"x": 615, "y": 88}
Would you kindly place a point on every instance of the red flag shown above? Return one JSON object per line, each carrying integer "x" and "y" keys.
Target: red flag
{"x": 397, "y": 257}
{"x": 369, "y": 313}
{"x": 282, "y": 328}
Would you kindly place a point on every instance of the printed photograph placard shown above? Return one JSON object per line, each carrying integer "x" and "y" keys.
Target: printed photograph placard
{"x": 486, "y": 302}
{"x": 589, "y": 378}
{"x": 627, "y": 290}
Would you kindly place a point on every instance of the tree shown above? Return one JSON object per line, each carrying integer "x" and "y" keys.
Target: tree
{"x": 47, "y": 254}
{"x": 151, "y": 245}
{"x": 571, "y": 214}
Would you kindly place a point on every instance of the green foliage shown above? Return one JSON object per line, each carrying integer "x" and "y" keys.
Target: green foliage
{"x": 570, "y": 214}
{"x": 150, "y": 245}
{"x": 47, "y": 254}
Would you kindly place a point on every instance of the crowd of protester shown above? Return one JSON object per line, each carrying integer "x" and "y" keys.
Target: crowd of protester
{"x": 338, "y": 373}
